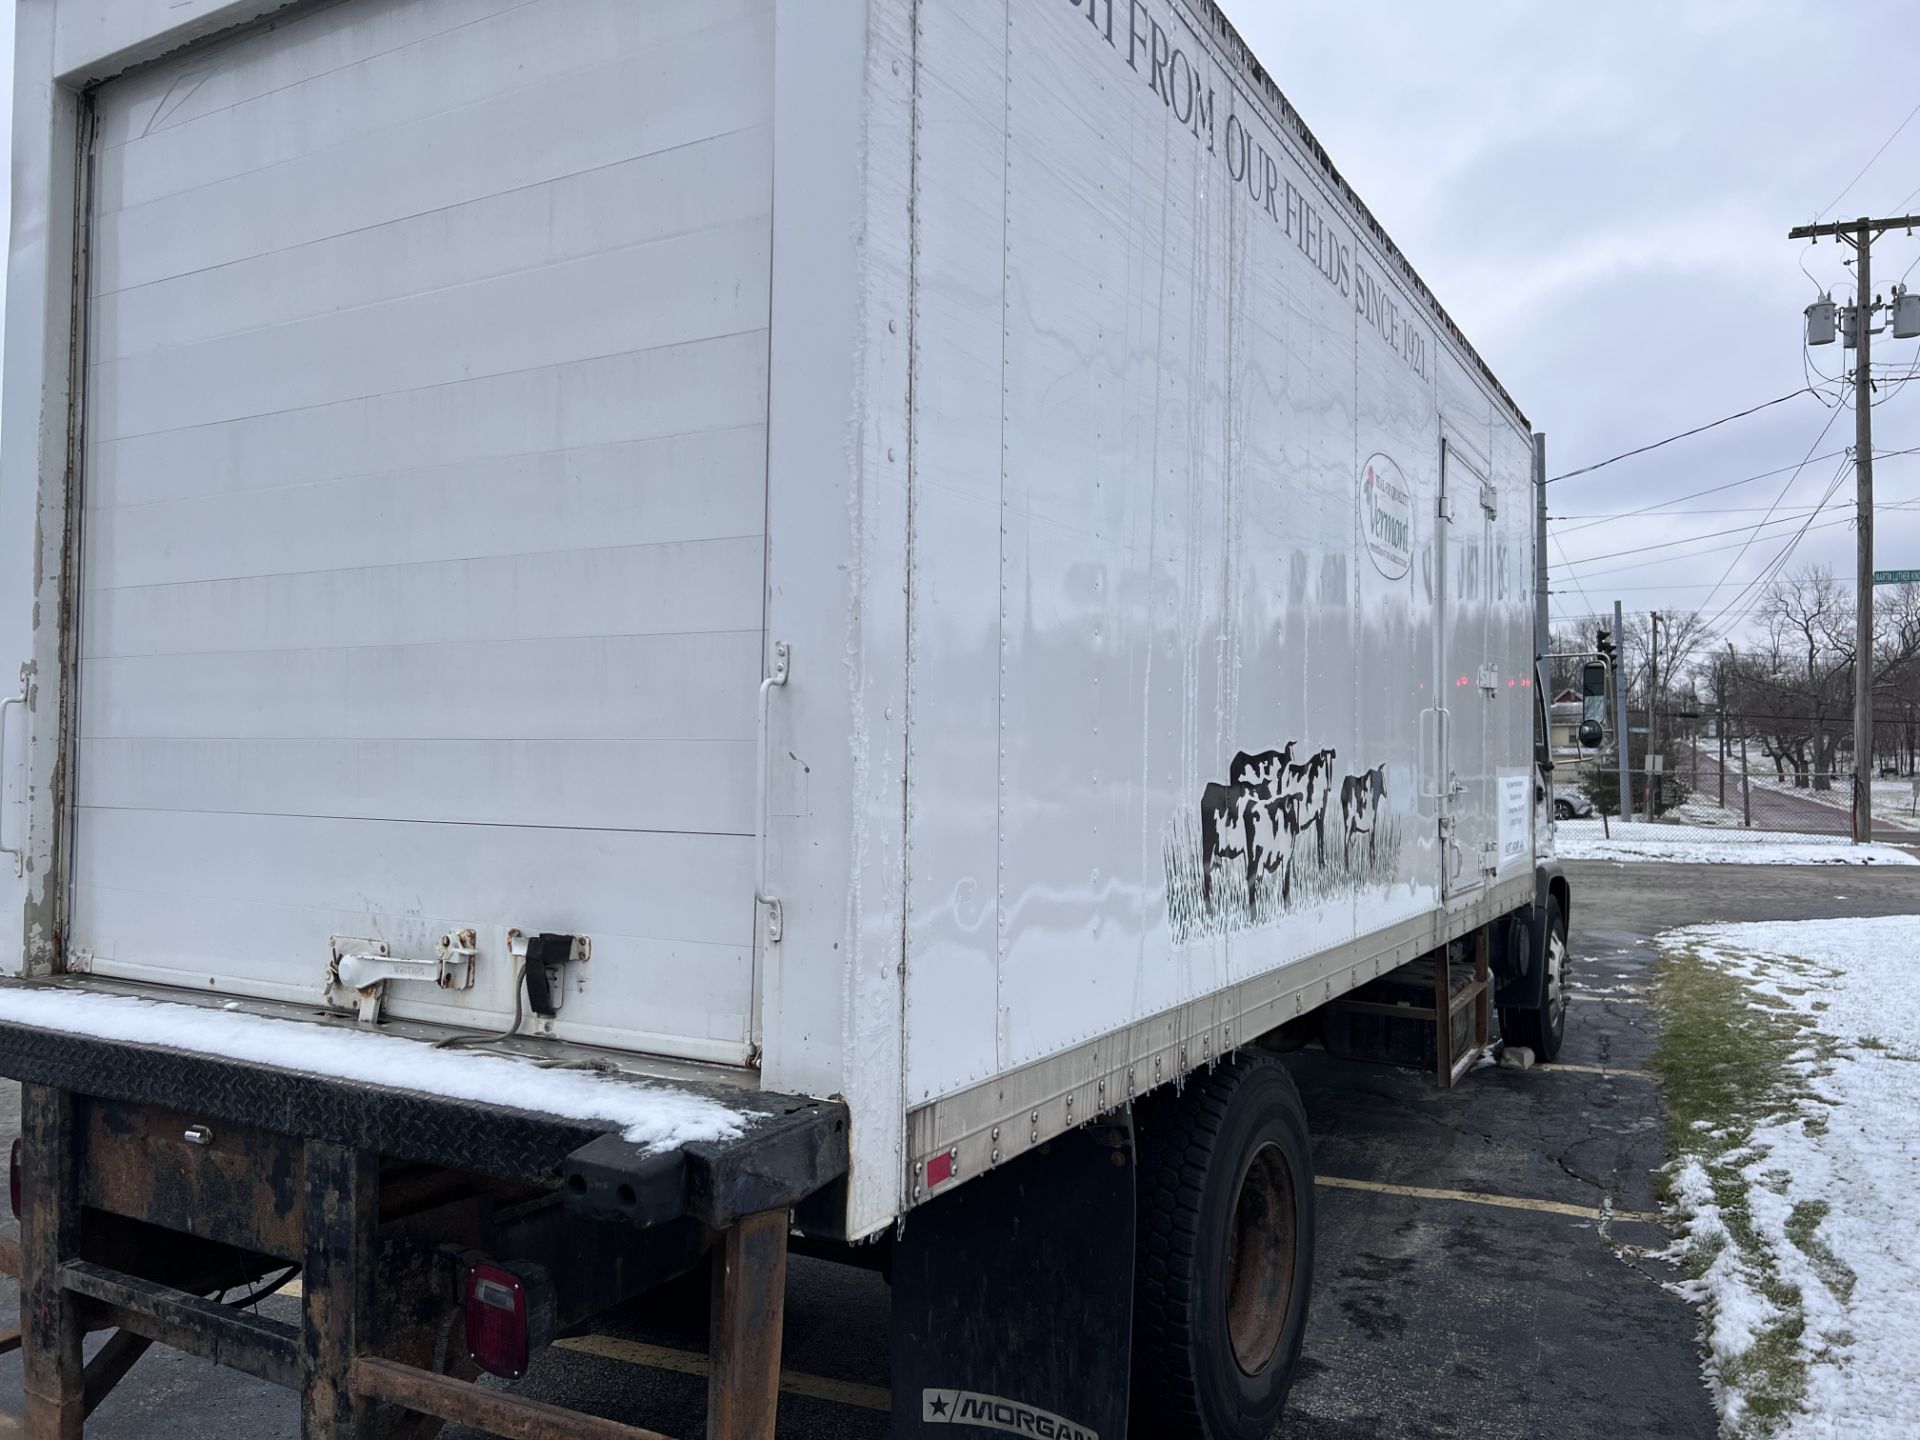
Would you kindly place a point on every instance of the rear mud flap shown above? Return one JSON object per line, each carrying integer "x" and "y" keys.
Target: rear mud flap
{"x": 1013, "y": 1298}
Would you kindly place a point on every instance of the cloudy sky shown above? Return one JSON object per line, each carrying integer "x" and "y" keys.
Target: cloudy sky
{"x": 1600, "y": 195}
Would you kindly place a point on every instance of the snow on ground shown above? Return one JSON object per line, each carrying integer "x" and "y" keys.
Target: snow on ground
{"x": 1711, "y": 845}
{"x": 648, "y": 1114}
{"x": 1897, "y": 801}
{"x": 1810, "y": 1217}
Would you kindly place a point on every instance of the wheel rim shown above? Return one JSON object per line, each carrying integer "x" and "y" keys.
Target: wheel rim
{"x": 1260, "y": 1260}
{"x": 1556, "y": 979}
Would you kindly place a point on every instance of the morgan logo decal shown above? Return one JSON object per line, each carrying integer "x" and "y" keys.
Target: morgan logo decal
{"x": 990, "y": 1412}
{"x": 1386, "y": 516}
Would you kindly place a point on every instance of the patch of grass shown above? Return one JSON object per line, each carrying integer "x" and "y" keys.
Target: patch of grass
{"x": 1803, "y": 1226}
{"x": 1723, "y": 1063}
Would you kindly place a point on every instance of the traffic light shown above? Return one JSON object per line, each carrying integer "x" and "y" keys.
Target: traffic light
{"x": 1604, "y": 644}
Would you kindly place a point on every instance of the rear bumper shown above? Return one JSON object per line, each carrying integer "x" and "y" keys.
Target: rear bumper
{"x": 791, "y": 1146}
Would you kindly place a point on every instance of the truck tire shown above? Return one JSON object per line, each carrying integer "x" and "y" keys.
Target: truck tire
{"x": 1542, "y": 1030}
{"x": 1223, "y": 1253}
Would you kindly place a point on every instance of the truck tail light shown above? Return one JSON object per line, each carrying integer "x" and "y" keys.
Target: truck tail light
{"x": 497, "y": 1321}
{"x": 13, "y": 1179}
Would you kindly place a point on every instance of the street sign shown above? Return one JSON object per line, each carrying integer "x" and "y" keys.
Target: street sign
{"x": 1637, "y": 730}
{"x": 1896, "y": 577}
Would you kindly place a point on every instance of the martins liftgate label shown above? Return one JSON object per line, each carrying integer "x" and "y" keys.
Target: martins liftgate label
{"x": 1187, "y": 90}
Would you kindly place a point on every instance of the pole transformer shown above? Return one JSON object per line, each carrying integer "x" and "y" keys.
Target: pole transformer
{"x": 1860, "y": 234}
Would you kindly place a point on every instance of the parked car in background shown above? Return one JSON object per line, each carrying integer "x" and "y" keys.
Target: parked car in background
{"x": 1572, "y": 803}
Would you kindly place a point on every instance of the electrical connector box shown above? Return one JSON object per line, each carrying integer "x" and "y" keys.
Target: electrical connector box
{"x": 1820, "y": 322}
{"x": 1906, "y": 315}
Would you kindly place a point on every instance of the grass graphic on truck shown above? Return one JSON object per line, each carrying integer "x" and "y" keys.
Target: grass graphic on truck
{"x": 1259, "y": 846}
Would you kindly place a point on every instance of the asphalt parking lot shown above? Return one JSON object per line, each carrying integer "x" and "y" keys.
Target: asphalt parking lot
{"x": 1478, "y": 1263}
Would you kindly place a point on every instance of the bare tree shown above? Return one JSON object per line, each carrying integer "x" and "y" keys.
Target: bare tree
{"x": 1808, "y": 618}
{"x": 1896, "y": 673}
{"x": 1570, "y": 637}
{"x": 1793, "y": 688}
{"x": 1683, "y": 635}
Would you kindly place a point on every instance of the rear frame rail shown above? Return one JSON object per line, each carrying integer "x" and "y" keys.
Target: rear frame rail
{"x": 377, "y": 1245}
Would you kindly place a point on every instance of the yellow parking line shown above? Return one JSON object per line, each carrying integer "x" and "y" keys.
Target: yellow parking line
{"x": 691, "y": 1362}
{"x": 1552, "y": 1065}
{"x": 876, "y": 1397}
{"x": 1477, "y": 1197}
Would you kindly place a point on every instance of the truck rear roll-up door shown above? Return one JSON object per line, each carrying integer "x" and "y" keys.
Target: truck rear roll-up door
{"x": 424, "y": 478}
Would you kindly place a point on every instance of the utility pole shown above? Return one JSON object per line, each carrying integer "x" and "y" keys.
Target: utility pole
{"x": 1620, "y": 711}
{"x": 1746, "y": 785}
{"x": 1693, "y": 733}
{"x": 1860, "y": 234}
{"x": 1725, "y": 684}
{"x": 1863, "y": 554}
{"x": 1653, "y": 700}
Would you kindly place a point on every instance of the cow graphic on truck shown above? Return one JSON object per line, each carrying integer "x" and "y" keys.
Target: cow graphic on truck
{"x": 1255, "y": 823}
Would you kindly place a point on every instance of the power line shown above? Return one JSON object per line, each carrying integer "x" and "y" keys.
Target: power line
{"x": 1611, "y": 515}
{"x": 1695, "y": 554}
{"x": 1631, "y": 589}
{"x": 1569, "y": 564}
{"x": 1869, "y": 165}
{"x": 1832, "y": 415}
{"x": 1728, "y": 485}
{"x": 1596, "y": 575}
{"x": 1689, "y": 540}
{"x": 1752, "y": 591}
{"x": 1767, "y": 572}
{"x": 1696, "y": 430}
{"x": 1907, "y": 507}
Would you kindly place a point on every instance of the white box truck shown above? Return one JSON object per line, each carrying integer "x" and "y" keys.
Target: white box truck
{"x": 644, "y": 627}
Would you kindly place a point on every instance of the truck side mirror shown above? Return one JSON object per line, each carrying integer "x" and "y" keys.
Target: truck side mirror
{"x": 1593, "y": 704}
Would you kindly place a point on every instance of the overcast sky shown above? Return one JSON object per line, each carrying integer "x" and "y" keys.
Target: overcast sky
{"x": 1600, "y": 195}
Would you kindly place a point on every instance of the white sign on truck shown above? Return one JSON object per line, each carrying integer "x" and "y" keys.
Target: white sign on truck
{"x": 905, "y": 575}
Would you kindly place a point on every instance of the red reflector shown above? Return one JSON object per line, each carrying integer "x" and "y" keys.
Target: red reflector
{"x": 940, "y": 1169}
{"x": 13, "y": 1179}
{"x": 497, "y": 1321}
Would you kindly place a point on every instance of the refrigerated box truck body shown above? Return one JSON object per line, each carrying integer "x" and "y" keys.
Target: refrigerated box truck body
{"x": 928, "y": 568}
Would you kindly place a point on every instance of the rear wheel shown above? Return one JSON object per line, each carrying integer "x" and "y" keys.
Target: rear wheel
{"x": 1563, "y": 809}
{"x": 1224, "y": 1253}
{"x": 1542, "y": 1030}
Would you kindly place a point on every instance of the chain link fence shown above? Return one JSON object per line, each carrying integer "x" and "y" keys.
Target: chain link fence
{"x": 1700, "y": 798}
